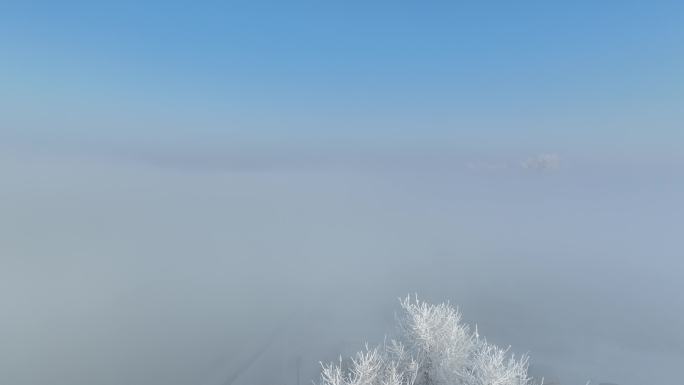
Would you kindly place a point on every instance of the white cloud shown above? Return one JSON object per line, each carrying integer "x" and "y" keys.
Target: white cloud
{"x": 542, "y": 162}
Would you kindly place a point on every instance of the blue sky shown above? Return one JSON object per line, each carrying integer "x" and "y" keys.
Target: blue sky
{"x": 581, "y": 77}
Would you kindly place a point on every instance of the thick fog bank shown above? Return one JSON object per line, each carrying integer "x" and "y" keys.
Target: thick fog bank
{"x": 142, "y": 275}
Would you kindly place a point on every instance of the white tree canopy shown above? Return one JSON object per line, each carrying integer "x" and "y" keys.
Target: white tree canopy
{"x": 433, "y": 347}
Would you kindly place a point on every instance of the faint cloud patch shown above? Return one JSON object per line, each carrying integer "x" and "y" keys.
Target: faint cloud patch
{"x": 542, "y": 162}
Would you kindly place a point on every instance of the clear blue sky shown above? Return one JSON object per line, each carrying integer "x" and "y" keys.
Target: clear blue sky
{"x": 577, "y": 77}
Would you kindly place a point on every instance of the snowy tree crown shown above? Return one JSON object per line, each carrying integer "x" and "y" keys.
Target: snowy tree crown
{"x": 433, "y": 347}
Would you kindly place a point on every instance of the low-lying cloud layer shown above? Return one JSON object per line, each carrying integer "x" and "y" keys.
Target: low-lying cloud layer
{"x": 125, "y": 273}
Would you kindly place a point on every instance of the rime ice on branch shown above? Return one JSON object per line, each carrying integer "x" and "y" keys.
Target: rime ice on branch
{"x": 433, "y": 347}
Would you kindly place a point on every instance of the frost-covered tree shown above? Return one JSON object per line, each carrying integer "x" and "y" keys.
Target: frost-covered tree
{"x": 432, "y": 347}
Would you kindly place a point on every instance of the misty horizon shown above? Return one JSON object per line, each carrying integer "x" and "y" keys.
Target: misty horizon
{"x": 232, "y": 193}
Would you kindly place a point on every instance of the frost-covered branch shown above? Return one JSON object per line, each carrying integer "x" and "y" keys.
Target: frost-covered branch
{"x": 433, "y": 348}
